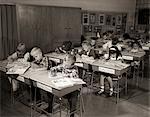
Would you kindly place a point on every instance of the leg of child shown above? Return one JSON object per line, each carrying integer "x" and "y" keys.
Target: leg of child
{"x": 102, "y": 78}
{"x": 72, "y": 99}
{"x": 109, "y": 79}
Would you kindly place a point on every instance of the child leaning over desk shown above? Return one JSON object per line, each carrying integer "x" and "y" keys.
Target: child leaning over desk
{"x": 20, "y": 51}
{"x": 68, "y": 68}
{"x": 114, "y": 55}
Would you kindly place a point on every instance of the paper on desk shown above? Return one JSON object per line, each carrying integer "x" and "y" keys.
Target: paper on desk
{"x": 62, "y": 82}
{"x": 66, "y": 82}
{"x": 17, "y": 67}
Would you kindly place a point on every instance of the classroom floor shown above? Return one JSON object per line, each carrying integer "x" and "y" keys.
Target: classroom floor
{"x": 135, "y": 104}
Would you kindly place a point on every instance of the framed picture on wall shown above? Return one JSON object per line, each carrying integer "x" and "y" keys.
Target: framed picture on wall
{"x": 113, "y": 21}
{"x": 85, "y": 18}
{"x": 92, "y": 18}
{"x": 101, "y": 19}
{"x": 87, "y": 28}
{"x": 119, "y": 19}
{"x": 108, "y": 19}
{"x": 97, "y": 28}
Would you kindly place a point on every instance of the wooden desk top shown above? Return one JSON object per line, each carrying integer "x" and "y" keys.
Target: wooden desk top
{"x": 46, "y": 82}
{"x": 133, "y": 55}
{"x": 58, "y": 85}
{"x": 111, "y": 67}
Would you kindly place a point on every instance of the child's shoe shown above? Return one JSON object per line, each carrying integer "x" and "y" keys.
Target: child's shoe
{"x": 101, "y": 91}
{"x": 111, "y": 92}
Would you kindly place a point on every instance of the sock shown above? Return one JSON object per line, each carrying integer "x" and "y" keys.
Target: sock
{"x": 111, "y": 89}
{"x": 102, "y": 88}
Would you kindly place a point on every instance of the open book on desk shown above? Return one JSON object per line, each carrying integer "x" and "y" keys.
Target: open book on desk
{"x": 63, "y": 82}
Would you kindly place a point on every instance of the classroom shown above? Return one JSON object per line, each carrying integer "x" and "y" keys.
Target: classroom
{"x": 74, "y": 58}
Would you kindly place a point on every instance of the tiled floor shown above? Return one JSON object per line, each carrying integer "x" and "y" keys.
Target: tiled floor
{"x": 135, "y": 104}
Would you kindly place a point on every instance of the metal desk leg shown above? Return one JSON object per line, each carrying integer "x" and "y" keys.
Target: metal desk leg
{"x": 82, "y": 109}
{"x": 34, "y": 102}
{"x": 30, "y": 101}
{"x": 138, "y": 75}
{"x": 118, "y": 92}
{"x": 60, "y": 102}
{"x": 133, "y": 81}
{"x": 126, "y": 84}
{"x": 142, "y": 68}
{"x": 12, "y": 93}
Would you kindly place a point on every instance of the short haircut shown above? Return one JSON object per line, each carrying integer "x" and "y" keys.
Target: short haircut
{"x": 114, "y": 40}
{"x": 21, "y": 47}
{"x": 67, "y": 45}
{"x": 34, "y": 50}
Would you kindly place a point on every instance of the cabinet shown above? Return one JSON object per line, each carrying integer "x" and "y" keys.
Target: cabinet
{"x": 48, "y": 26}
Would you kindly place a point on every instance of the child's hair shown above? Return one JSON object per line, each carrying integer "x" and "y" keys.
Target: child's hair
{"x": 135, "y": 42}
{"x": 105, "y": 33}
{"x": 67, "y": 45}
{"x": 87, "y": 42}
{"x": 114, "y": 49}
{"x": 21, "y": 47}
{"x": 126, "y": 36}
{"x": 114, "y": 41}
{"x": 35, "y": 49}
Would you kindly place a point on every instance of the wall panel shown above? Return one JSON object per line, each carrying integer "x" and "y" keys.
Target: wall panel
{"x": 8, "y": 28}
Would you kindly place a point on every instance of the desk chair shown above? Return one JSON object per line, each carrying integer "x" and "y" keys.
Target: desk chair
{"x": 118, "y": 86}
{"x": 87, "y": 76}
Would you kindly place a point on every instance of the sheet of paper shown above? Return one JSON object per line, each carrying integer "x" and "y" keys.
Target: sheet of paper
{"x": 18, "y": 67}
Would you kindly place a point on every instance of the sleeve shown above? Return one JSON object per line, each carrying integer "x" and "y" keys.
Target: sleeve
{"x": 119, "y": 47}
{"x": 27, "y": 56}
{"x": 44, "y": 62}
{"x": 107, "y": 45}
{"x": 92, "y": 53}
{"x": 13, "y": 57}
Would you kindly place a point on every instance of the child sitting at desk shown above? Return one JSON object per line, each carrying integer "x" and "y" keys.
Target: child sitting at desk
{"x": 70, "y": 70}
{"x": 113, "y": 42}
{"x": 87, "y": 51}
{"x": 38, "y": 61}
{"x": 115, "y": 55}
{"x": 37, "y": 58}
{"x": 21, "y": 49}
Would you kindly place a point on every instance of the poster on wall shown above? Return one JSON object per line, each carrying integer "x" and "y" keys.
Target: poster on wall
{"x": 108, "y": 19}
{"x": 101, "y": 19}
{"x": 87, "y": 28}
{"x": 92, "y": 18}
{"x": 119, "y": 19}
{"x": 85, "y": 19}
{"x": 97, "y": 28}
{"x": 113, "y": 21}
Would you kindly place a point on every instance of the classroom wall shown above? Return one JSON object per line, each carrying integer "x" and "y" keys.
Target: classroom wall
{"x": 127, "y": 6}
